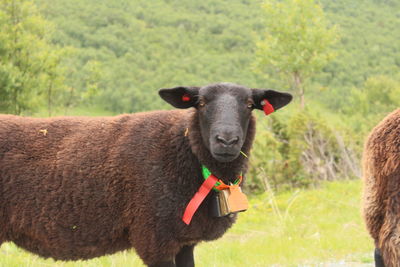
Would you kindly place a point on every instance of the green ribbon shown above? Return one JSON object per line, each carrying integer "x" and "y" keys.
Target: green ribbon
{"x": 206, "y": 173}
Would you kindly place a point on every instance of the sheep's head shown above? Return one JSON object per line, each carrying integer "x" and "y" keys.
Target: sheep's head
{"x": 224, "y": 111}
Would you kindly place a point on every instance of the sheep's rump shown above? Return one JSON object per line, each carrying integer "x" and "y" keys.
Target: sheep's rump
{"x": 64, "y": 181}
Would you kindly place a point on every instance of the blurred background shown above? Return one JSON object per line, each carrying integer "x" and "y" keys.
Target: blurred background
{"x": 340, "y": 58}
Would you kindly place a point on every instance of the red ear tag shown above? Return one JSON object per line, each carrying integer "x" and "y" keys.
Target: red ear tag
{"x": 185, "y": 98}
{"x": 267, "y": 107}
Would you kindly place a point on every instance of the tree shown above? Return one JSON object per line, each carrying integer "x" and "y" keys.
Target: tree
{"x": 298, "y": 41}
{"x": 29, "y": 63}
{"x": 89, "y": 75}
{"x": 370, "y": 103}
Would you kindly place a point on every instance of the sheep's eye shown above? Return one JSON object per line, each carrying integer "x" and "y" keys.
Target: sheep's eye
{"x": 202, "y": 103}
{"x": 250, "y": 105}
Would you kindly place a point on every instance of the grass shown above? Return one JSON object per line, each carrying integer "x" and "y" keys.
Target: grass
{"x": 317, "y": 227}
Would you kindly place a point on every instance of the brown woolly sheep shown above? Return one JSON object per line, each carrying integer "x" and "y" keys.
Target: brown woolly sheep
{"x": 381, "y": 196}
{"x": 76, "y": 188}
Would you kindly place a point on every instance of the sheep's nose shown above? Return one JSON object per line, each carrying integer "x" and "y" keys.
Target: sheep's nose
{"x": 226, "y": 141}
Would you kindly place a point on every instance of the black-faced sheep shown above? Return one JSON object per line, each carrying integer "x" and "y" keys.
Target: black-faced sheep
{"x": 77, "y": 188}
{"x": 381, "y": 199}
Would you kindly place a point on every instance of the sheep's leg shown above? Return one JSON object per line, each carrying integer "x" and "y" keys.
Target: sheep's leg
{"x": 374, "y": 214}
{"x": 2, "y": 229}
{"x": 389, "y": 244}
{"x": 2, "y": 226}
{"x": 389, "y": 241}
{"x": 185, "y": 257}
{"x": 374, "y": 204}
{"x": 374, "y": 195}
{"x": 389, "y": 235}
{"x": 378, "y": 258}
{"x": 154, "y": 252}
{"x": 163, "y": 264}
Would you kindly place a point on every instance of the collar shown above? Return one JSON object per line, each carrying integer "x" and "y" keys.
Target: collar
{"x": 210, "y": 182}
{"x": 219, "y": 185}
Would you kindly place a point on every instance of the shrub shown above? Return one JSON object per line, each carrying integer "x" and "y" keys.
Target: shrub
{"x": 299, "y": 151}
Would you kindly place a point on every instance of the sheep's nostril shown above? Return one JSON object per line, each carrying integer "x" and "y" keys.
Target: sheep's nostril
{"x": 221, "y": 139}
{"x": 234, "y": 140}
{"x": 226, "y": 142}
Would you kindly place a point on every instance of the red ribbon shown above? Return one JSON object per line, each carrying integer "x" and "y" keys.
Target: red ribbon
{"x": 198, "y": 198}
{"x": 267, "y": 107}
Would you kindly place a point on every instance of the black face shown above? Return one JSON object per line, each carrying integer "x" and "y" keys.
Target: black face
{"x": 224, "y": 114}
{"x": 224, "y": 111}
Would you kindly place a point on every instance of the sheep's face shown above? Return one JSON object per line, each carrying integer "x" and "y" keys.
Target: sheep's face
{"x": 224, "y": 114}
{"x": 224, "y": 111}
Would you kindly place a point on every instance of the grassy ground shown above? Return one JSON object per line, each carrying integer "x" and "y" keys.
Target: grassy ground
{"x": 318, "y": 227}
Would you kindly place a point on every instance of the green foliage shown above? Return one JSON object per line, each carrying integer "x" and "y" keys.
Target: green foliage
{"x": 89, "y": 76}
{"x": 368, "y": 47}
{"x": 269, "y": 155}
{"x": 28, "y": 62}
{"x": 298, "y": 149}
{"x": 298, "y": 42}
{"x": 143, "y": 46}
{"x": 369, "y": 104}
{"x": 298, "y": 37}
{"x": 380, "y": 94}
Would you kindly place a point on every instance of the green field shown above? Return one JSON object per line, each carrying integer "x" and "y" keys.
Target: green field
{"x": 315, "y": 227}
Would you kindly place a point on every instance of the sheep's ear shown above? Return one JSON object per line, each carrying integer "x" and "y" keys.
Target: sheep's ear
{"x": 270, "y": 100}
{"x": 180, "y": 97}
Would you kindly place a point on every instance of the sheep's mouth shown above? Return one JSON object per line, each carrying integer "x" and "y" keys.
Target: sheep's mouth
{"x": 225, "y": 157}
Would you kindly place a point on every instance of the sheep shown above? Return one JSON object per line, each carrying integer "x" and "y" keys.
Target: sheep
{"x": 381, "y": 189}
{"x": 76, "y": 187}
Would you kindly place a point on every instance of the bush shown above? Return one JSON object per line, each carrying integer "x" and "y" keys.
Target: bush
{"x": 299, "y": 151}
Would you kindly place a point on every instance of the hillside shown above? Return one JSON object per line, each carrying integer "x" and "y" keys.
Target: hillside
{"x": 145, "y": 45}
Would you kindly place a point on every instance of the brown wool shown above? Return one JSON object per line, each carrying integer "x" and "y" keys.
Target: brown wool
{"x": 381, "y": 193}
{"x": 78, "y": 187}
